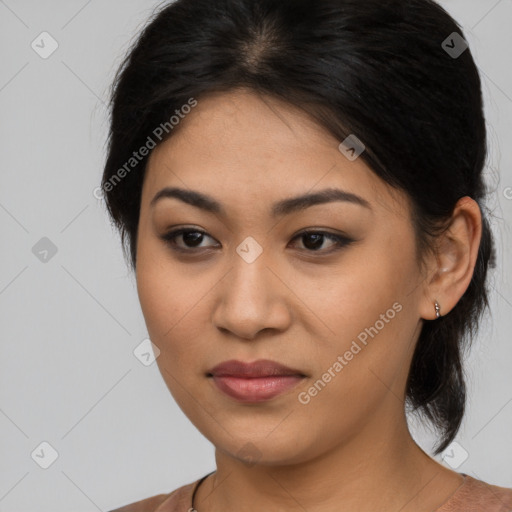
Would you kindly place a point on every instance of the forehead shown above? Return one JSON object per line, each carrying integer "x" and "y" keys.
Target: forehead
{"x": 242, "y": 144}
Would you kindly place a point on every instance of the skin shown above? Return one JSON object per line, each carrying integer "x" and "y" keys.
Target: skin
{"x": 349, "y": 447}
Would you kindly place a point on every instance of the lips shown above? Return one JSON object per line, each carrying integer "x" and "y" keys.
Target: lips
{"x": 254, "y": 382}
{"x": 260, "y": 368}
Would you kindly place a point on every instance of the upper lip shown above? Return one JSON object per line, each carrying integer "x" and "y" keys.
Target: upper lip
{"x": 259, "y": 368}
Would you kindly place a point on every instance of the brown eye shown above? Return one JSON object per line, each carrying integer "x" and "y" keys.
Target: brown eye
{"x": 313, "y": 241}
{"x": 191, "y": 238}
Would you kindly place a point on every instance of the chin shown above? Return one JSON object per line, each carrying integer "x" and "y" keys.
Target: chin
{"x": 265, "y": 451}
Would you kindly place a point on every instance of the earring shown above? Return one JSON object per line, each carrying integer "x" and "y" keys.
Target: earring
{"x": 438, "y": 309}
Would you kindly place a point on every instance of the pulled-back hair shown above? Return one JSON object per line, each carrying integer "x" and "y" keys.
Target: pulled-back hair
{"x": 379, "y": 70}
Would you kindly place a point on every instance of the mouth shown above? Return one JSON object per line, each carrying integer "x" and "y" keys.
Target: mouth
{"x": 254, "y": 382}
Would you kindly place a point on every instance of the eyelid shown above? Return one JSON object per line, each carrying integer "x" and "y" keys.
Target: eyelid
{"x": 340, "y": 241}
{"x": 170, "y": 236}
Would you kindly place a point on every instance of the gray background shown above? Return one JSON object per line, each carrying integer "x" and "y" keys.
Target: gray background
{"x": 69, "y": 325}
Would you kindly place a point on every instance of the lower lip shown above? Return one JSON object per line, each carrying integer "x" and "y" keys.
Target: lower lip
{"x": 257, "y": 389}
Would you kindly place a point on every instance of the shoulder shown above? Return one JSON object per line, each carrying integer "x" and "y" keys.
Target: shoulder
{"x": 479, "y": 496}
{"x": 176, "y": 501}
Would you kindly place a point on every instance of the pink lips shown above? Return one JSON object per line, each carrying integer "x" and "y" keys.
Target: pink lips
{"x": 254, "y": 382}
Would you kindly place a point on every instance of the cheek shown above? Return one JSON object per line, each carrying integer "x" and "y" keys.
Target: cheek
{"x": 168, "y": 301}
{"x": 171, "y": 308}
{"x": 369, "y": 309}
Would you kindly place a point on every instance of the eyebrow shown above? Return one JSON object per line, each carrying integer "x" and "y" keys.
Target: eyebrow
{"x": 281, "y": 208}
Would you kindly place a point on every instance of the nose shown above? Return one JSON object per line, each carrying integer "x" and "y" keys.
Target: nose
{"x": 251, "y": 297}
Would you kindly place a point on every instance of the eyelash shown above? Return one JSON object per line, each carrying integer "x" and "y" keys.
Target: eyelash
{"x": 341, "y": 241}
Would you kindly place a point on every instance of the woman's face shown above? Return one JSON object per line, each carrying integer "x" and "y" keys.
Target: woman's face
{"x": 345, "y": 314}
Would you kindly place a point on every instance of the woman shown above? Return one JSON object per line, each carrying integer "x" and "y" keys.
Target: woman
{"x": 298, "y": 185}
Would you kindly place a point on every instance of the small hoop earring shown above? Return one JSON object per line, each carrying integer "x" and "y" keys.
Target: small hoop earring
{"x": 438, "y": 309}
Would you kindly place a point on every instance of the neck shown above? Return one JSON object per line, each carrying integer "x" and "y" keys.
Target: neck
{"x": 380, "y": 468}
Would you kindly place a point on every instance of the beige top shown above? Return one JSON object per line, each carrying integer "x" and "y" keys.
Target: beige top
{"x": 472, "y": 496}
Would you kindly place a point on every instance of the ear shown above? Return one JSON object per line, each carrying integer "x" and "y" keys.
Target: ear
{"x": 454, "y": 262}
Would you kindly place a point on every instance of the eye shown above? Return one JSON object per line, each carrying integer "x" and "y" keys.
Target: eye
{"x": 192, "y": 238}
{"x": 313, "y": 241}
